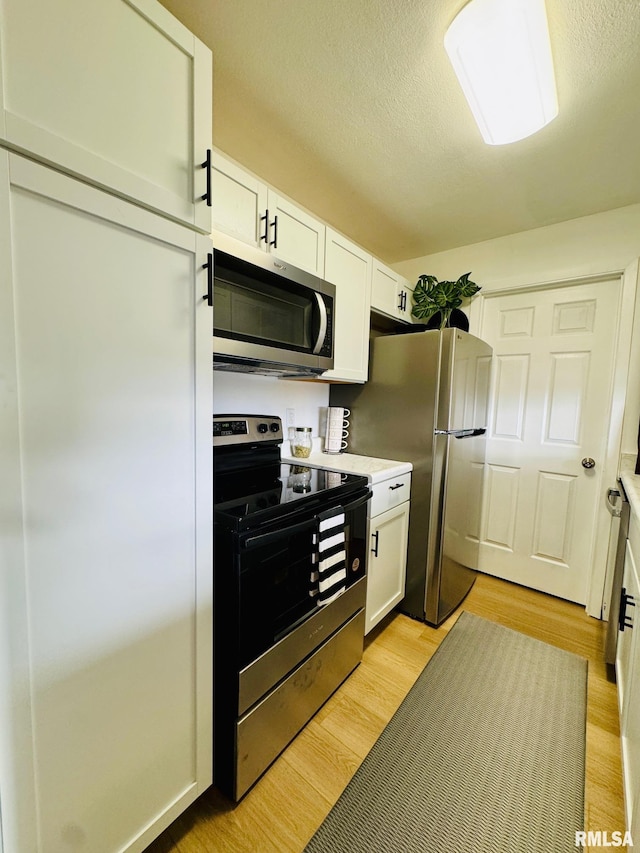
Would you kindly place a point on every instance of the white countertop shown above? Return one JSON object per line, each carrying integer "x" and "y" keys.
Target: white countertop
{"x": 631, "y": 481}
{"x": 376, "y": 470}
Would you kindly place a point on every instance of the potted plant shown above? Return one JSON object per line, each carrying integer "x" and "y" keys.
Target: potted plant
{"x": 432, "y": 297}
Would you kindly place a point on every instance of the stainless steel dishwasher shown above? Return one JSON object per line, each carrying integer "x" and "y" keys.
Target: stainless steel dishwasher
{"x": 618, "y": 506}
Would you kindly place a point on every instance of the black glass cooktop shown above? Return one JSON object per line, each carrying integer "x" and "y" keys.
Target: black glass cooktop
{"x": 259, "y": 494}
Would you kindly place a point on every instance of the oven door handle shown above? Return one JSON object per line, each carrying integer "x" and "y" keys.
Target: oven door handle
{"x": 281, "y": 533}
{"x": 357, "y": 503}
{"x": 311, "y": 523}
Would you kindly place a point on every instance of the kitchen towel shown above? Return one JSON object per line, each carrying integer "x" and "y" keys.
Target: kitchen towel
{"x": 329, "y": 580}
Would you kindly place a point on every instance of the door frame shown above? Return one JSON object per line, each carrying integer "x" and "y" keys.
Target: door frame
{"x": 628, "y": 279}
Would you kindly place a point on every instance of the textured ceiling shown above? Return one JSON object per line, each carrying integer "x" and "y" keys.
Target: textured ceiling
{"x": 352, "y": 108}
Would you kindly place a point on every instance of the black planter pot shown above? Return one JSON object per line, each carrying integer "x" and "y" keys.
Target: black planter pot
{"x": 457, "y": 320}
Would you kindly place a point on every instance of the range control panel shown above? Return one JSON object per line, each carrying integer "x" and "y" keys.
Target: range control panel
{"x": 246, "y": 429}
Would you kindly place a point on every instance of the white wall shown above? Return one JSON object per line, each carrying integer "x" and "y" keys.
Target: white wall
{"x": 592, "y": 245}
{"x": 246, "y": 394}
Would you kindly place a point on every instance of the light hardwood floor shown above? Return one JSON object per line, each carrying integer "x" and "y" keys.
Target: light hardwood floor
{"x": 284, "y": 808}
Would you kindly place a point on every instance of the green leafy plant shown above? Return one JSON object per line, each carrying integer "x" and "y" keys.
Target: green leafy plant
{"x": 432, "y": 297}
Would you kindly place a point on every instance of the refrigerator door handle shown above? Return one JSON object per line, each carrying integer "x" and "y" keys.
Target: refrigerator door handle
{"x": 612, "y": 502}
{"x": 461, "y": 433}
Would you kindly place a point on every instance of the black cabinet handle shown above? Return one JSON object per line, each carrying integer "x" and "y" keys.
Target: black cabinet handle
{"x": 400, "y": 303}
{"x": 265, "y": 237}
{"x": 626, "y": 600}
{"x": 397, "y": 486}
{"x": 207, "y": 165}
{"x": 274, "y": 242}
{"x": 374, "y": 550}
{"x": 209, "y": 268}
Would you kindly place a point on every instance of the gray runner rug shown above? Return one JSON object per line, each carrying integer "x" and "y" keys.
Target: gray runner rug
{"x": 485, "y": 753}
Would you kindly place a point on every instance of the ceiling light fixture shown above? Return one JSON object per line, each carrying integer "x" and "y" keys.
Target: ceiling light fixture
{"x": 501, "y": 52}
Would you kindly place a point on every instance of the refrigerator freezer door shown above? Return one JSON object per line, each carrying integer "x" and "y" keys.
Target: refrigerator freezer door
{"x": 463, "y": 398}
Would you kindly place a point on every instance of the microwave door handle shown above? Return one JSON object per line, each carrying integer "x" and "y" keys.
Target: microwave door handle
{"x": 322, "y": 331}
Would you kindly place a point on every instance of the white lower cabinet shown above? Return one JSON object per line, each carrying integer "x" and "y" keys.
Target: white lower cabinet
{"x": 106, "y": 505}
{"x": 628, "y": 678}
{"x": 388, "y": 532}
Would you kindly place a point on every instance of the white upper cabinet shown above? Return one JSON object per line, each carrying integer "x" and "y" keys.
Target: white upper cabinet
{"x": 247, "y": 209}
{"x": 348, "y": 267}
{"x": 239, "y": 202}
{"x": 295, "y": 236}
{"x": 116, "y": 92}
{"x": 391, "y": 294}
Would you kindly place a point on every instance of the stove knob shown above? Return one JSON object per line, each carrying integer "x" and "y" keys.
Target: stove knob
{"x": 262, "y": 428}
{"x": 275, "y": 427}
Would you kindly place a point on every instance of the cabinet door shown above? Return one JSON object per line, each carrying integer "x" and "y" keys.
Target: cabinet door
{"x": 294, "y": 236}
{"x": 349, "y": 268}
{"x": 625, "y": 638}
{"x": 390, "y": 292}
{"x": 105, "y": 662}
{"x": 117, "y": 92}
{"x": 405, "y": 297}
{"x": 386, "y": 571}
{"x": 628, "y": 673}
{"x": 239, "y": 202}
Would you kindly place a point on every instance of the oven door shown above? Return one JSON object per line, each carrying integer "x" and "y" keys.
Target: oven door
{"x": 275, "y": 569}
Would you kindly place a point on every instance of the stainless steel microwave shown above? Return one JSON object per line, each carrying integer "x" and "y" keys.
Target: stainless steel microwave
{"x": 270, "y": 317}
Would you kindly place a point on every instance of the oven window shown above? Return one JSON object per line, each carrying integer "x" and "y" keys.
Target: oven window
{"x": 274, "y": 592}
{"x": 262, "y": 313}
{"x": 275, "y": 579}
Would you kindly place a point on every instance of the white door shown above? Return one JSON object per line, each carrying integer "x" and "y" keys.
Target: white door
{"x": 105, "y": 662}
{"x": 554, "y": 353}
{"x": 118, "y": 92}
{"x": 628, "y": 677}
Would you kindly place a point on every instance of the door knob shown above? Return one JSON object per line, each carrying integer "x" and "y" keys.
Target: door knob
{"x": 588, "y": 462}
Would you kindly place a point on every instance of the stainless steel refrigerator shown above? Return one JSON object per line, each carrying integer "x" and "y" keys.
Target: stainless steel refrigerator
{"x": 427, "y": 402}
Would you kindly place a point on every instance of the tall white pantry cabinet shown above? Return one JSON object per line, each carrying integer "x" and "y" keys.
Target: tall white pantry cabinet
{"x": 105, "y": 412}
